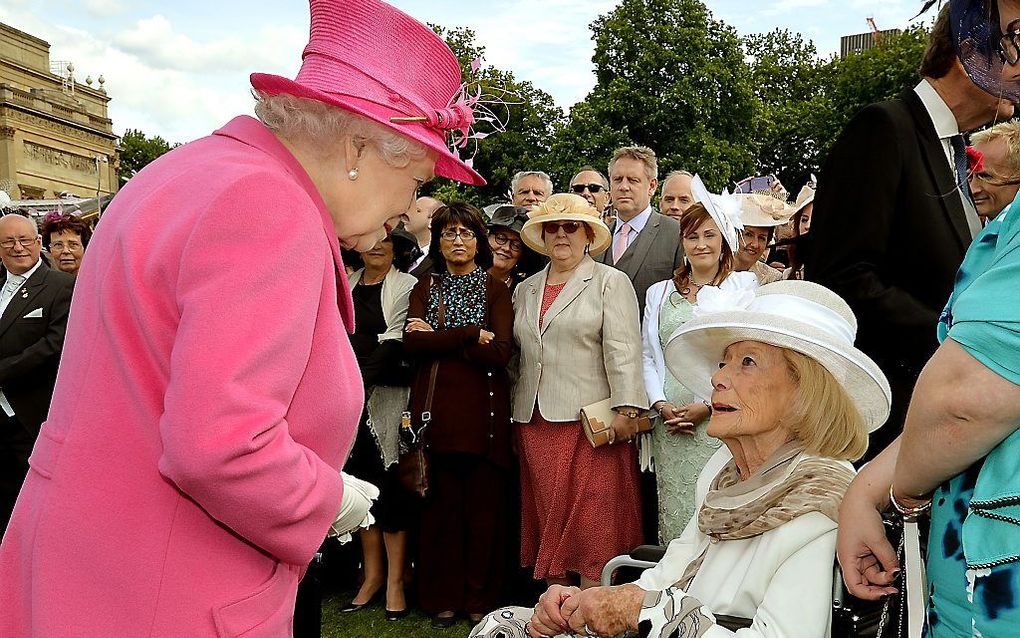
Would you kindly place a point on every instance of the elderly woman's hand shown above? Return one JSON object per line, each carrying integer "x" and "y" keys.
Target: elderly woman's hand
{"x": 604, "y": 611}
{"x": 865, "y": 555}
{"x": 548, "y": 619}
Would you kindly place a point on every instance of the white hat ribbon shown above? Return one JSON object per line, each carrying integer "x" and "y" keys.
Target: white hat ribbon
{"x": 724, "y": 209}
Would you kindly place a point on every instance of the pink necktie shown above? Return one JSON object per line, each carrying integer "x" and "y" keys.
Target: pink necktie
{"x": 622, "y": 241}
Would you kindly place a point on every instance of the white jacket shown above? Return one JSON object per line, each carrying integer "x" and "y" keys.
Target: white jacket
{"x": 782, "y": 579}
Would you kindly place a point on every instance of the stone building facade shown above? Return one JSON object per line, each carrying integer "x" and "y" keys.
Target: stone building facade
{"x": 56, "y": 139}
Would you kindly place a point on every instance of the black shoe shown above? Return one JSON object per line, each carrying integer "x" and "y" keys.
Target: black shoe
{"x": 353, "y": 606}
{"x": 396, "y": 615}
{"x": 443, "y": 622}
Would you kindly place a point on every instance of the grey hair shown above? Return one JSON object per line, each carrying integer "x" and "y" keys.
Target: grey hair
{"x": 592, "y": 169}
{"x": 515, "y": 182}
{"x": 672, "y": 174}
{"x": 1008, "y": 132}
{"x": 321, "y": 126}
{"x": 642, "y": 154}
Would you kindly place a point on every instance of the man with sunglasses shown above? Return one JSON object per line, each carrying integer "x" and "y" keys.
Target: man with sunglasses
{"x": 893, "y": 215}
{"x": 592, "y": 185}
{"x": 994, "y": 182}
{"x": 34, "y": 304}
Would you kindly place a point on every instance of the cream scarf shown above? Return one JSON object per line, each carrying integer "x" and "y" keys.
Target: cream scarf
{"x": 786, "y": 486}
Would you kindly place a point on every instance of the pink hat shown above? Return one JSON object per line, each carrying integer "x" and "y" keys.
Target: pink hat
{"x": 369, "y": 58}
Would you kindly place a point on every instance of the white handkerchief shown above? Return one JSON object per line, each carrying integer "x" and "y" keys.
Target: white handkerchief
{"x": 35, "y": 314}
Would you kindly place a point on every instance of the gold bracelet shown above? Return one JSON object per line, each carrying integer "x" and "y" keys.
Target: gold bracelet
{"x": 909, "y": 514}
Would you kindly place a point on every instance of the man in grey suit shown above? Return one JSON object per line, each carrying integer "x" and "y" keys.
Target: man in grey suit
{"x": 646, "y": 245}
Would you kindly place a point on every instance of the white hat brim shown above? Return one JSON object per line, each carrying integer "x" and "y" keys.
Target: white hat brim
{"x": 695, "y": 350}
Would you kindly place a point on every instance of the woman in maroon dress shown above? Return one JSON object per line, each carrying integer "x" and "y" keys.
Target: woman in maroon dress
{"x": 460, "y": 320}
{"x": 576, "y": 323}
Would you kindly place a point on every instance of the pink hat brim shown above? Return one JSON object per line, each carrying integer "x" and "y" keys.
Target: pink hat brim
{"x": 447, "y": 164}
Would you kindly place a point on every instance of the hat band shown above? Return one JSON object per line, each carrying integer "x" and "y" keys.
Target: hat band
{"x": 810, "y": 312}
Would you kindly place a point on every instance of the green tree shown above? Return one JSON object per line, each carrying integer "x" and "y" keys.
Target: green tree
{"x": 137, "y": 150}
{"x": 789, "y": 81}
{"x": 531, "y": 117}
{"x": 878, "y": 74}
{"x": 671, "y": 77}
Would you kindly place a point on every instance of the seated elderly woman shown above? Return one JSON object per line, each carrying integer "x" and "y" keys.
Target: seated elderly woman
{"x": 793, "y": 402}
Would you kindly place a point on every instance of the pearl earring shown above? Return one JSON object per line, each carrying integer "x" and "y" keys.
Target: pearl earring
{"x": 352, "y": 174}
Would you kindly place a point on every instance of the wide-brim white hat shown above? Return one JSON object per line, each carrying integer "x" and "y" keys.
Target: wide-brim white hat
{"x": 565, "y": 207}
{"x": 799, "y": 315}
{"x": 804, "y": 197}
{"x": 764, "y": 210}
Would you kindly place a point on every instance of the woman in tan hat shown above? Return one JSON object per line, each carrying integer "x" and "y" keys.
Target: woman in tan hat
{"x": 801, "y": 223}
{"x": 576, "y": 323}
{"x": 761, "y": 213}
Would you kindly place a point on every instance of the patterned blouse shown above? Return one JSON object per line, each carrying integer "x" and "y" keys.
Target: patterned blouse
{"x": 463, "y": 297}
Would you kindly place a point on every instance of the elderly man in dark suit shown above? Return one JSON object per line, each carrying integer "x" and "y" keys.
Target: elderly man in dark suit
{"x": 646, "y": 245}
{"x": 893, "y": 215}
{"x": 34, "y": 304}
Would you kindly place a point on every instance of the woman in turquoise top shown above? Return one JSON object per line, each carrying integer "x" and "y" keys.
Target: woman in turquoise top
{"x": 678, "y": 446}
{"x": 959, "y": 455}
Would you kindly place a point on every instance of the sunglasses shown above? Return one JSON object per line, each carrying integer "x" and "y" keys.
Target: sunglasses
{"x": 591, "y": 188}
{"x": 552, "y": 228}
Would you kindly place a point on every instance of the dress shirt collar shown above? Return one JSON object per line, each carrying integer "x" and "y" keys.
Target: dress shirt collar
{"x": 941, "y": 115}
{"x": 21, "y": 279}
{"x": 638, "y": 223}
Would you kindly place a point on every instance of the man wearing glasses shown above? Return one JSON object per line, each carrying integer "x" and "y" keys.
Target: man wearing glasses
{"x": 994, "y": 182}
{"x": 34, "y": 303}
{"x": 893, "y": 214}
{"x": 592, "y": 185}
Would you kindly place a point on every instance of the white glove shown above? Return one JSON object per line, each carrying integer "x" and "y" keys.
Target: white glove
{"x": 354, "y": 507}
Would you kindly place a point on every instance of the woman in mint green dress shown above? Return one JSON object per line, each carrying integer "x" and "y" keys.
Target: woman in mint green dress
{"x": 678, "y": 447}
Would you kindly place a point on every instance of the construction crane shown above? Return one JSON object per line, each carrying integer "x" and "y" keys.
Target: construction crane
{"x": 874, "y": 30}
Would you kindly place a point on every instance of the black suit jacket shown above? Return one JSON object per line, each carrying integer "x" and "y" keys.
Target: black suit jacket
{"x": 888, "y": 234}
{"x": 30, "y": 346}
{"x": 653, "y": 256}
{"x": 425, "y": 267}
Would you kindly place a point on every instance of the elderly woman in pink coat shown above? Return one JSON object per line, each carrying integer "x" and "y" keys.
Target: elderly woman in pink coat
{"x": 208, "y": 394}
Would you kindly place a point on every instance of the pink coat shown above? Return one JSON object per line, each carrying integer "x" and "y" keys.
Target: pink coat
{"x": 207, "y": 395}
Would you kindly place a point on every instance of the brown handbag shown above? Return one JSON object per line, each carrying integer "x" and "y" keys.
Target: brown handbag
{"x": 413, "y": 465}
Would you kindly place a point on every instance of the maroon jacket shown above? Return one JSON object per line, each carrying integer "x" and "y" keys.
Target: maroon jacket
{"x": 471, "y": 403}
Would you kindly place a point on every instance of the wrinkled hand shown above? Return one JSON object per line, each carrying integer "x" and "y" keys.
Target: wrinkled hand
{"x": 867, "y": 559}
{"x": 548, "y": 619}
{"x": 485, "y": 337}
{"x": 418, "y": 325}
{"x": 604, "y": 611}
{"x": 625, "y": 428}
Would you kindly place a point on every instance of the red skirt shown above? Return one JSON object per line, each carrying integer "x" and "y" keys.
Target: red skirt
{"x": 580, "y": 506}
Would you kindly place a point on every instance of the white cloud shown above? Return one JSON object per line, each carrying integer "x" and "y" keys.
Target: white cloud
{"x": 104, "y": 8}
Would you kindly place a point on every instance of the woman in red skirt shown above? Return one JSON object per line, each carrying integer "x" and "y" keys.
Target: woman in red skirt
{"x": 576, "y": 323}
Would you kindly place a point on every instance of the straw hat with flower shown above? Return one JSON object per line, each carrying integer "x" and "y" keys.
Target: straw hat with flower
{"x": 566, "y": 207}
{"x": 764, "y": 209}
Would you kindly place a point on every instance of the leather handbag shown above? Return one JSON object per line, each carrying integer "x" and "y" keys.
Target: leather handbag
{"x": 413, "y": 464}
{"x": 596, "y": 419}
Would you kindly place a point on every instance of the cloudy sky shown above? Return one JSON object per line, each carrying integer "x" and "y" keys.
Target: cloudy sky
{"x": 179, "y": 69}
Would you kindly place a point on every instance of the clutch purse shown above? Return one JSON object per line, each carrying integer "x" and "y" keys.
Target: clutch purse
{"x": 595, "y": 420}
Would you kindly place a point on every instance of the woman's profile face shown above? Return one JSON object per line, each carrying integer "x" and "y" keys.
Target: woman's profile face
{"x": 751, "y": 391}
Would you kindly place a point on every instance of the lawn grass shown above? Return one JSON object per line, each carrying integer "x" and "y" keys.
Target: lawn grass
{"x": 371, "y": 623}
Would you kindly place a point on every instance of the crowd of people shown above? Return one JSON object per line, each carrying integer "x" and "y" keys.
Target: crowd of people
{"x": 751, "y": 379}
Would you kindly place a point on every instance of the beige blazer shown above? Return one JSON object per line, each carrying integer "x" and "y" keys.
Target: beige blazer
{"x": 588, "y": 349}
